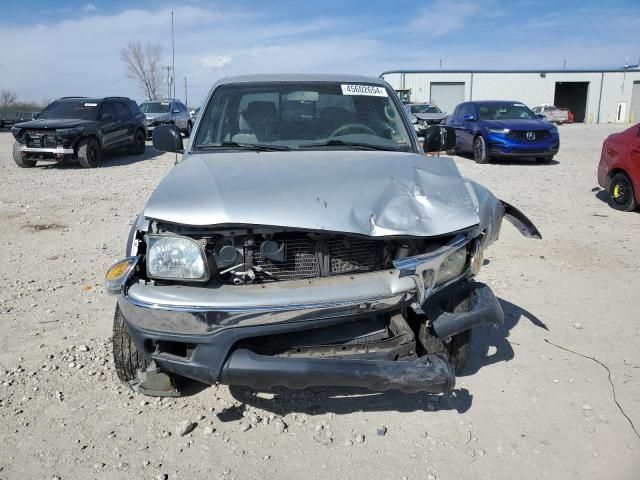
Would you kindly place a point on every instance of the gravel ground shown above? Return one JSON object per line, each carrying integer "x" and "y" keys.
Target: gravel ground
{"x": 527, "y": 409}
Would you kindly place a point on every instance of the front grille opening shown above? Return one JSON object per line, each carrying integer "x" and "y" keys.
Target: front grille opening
{"x": 176, "y": 349}
{"x": 308, "y": 257}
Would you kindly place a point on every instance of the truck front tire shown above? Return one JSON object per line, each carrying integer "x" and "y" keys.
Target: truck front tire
{"x": 89, "y": 152}
{"x": 21, "y": 162}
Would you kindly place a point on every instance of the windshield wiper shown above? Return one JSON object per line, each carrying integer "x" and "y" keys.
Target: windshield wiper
{"x": 343, "y": 143}
{"x": 258, "y": 147}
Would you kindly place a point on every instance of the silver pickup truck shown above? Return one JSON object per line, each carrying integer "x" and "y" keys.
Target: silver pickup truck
{"x": 306, "y": 240}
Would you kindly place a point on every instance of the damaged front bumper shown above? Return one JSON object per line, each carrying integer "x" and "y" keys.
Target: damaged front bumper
{"x": 218, "y": 335}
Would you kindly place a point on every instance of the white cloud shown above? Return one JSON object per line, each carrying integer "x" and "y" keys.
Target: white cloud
{"x": 216, "y": 61}
{"x": 442, "y": 17}
{"x": 89, "y": 7}
{"x": 215, "y": 41}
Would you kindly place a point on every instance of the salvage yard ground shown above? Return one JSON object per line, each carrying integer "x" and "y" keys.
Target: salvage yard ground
{"x": 526, "y": 409}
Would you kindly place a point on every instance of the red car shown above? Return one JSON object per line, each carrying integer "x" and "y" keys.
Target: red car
{"x": 619, "y": 168}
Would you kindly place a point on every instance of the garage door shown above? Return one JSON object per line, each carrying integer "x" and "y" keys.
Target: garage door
{"x": 447, "y": 95}
{"x": 635, "y": 103}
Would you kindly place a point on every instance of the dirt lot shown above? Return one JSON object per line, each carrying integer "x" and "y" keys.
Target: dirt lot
{"x": 527, "y": 410}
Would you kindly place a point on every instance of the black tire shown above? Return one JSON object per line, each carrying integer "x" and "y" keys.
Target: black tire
{"x": 544, "y": 159}
{"x": 187, "y": 133}
{"x": 621, "y": 194}
{"x": 17, "y": 157}
{"x": 139, "y": 140}
{"x": 457, "y": 350}
{"x": 480, "y": 150}
{"x": 125, "y": 355}
{"x": 89, "y": 152}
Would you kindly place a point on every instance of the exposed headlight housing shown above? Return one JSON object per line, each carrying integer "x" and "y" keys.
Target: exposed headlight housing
{"x": 500, "y": 131}
{"x": 69, "y": 132}
{"x": 171, "y": 257}
{"x": 452, "y": 267}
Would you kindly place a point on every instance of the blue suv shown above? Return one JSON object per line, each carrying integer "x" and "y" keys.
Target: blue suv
{"x": 502, "y": 128}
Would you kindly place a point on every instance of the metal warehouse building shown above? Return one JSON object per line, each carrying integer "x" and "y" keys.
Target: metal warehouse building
{"x": 601, "y": 96}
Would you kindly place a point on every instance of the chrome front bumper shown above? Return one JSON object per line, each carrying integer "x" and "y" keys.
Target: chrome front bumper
{"x": 196, "y": 310}
{"x": 189, "y": 310}
{"x": 57, "y": 150}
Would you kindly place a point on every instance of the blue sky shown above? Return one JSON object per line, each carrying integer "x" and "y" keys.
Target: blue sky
{"x": 71, "y": 47}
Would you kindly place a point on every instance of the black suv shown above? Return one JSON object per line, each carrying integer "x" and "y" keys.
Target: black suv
{"x": 80, "y": 128}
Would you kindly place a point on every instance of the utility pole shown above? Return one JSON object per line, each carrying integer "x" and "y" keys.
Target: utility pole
{"x": 169, "y": 80}
{"x": 173, "y": 56}
{"x": 186, "y": 98}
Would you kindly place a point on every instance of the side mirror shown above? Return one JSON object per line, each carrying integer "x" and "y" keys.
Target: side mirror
{"x": 540, "y": 116}
{"x": 438, "y": 138}
{"x": 106, "y": 116}
{"x": 469, "y": 117}
{"x": 167, "y": 138}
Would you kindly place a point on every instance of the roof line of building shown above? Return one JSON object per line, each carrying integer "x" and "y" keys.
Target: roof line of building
{"x": 541, "y": 70}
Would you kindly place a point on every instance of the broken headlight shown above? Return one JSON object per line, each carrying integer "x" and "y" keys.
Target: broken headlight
{"x": 453, "y": 266}
{"x": 172, "y": 257}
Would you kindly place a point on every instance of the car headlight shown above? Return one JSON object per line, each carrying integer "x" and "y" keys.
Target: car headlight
{"x": 176, "y": 258}
{"x": 15, "y": 131}
{"x": 452, "y": 267}
{"x": 500, "y": 131}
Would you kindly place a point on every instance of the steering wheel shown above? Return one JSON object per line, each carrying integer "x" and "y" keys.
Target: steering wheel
{"x": 352, "y": 126}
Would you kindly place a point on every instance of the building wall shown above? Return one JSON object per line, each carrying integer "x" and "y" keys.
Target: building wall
{"x": 530, "y": 88}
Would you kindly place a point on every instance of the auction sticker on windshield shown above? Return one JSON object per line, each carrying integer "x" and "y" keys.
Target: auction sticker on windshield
{"x": 370, "y": 90}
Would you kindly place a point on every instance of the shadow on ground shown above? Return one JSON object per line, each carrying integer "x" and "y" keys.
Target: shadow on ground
{"x": 490, "y": 345}
{"x": 519, "y": 161}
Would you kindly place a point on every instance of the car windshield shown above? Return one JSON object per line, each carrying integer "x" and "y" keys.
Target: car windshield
{"x": 155, "y": 107}
{"x": 505, "y": 111}
{"x": 309, "y": 115}
{"x": 80, "y": 109}
{"x": 425, "y": 109}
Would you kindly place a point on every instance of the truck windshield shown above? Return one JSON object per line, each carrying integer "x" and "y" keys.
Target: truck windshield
{"x": 83, "y": 110}
{"x": 505, "y": 111}
{"x": 309, "y": 115}
{"x": 155, "y": 107}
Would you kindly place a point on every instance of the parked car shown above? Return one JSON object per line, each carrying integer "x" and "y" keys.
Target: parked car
{"x": 553, "y": 114}
{"x": 9, "y": 118}
{"x": 423, "y": 115}
{"x": 569, "y": 113}
{"x": 79, "y": 128}
{"x": 304, "y": 239}
{"x": 619, "y": 168}
{"x": 501, "y": 128}
{"x": 194, "y": 113}
{"x": 162, "y": 112}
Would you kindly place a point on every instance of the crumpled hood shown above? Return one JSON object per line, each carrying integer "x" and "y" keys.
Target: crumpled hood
{"x": 362, "y": 192}
{"x": 53, "y": 123}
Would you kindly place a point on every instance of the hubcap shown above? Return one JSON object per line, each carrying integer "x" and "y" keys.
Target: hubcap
{"x": 621, "y": 192}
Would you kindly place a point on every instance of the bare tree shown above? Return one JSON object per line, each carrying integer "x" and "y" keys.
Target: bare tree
{"x": 143, "y": 65}
{"x": 8, "y": 97}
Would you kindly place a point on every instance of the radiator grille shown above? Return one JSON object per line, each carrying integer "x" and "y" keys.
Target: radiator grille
{"x": 521, "y": 135}
{"x": 349, "y": 255}
{"x": 311, "y": 258}
{"x": 41, "y": 138}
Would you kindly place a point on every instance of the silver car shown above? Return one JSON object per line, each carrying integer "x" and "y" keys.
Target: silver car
{"x": 424, "y": 114}
{"x": 162, "y": 112}
{"x": 305, "y": 239}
